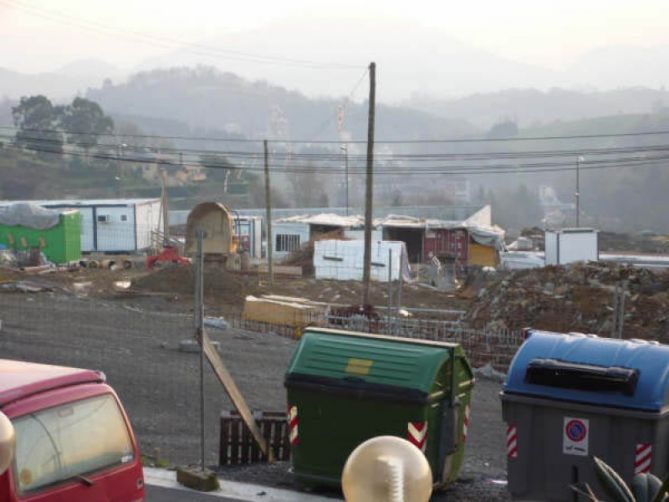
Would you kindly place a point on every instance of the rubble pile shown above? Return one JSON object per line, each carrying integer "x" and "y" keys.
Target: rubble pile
{"x": 578, "y": 297}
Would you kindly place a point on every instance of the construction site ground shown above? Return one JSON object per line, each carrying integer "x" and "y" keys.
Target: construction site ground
{"x": 129, "y": 324}
{"x": 136, "y": 344}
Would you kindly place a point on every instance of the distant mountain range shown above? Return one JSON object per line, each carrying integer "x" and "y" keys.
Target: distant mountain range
{"x": 531, "y": 107}
{"x": 411, "y": 59}
{"x": 205, "y": 100}
{"x": 60, "y": 84}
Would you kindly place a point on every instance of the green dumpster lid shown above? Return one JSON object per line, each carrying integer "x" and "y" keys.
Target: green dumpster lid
{"x": 376, "y": 359}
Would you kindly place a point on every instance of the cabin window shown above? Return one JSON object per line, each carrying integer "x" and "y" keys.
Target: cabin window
{"x": 285, "y": 243}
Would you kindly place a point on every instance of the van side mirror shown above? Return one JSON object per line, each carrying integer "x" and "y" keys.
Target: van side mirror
{"x": 7, "y": 442}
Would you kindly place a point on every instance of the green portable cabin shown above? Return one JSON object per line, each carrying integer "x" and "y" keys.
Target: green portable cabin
{"x": 344, "y": 388}
{"x": 60, "y": 243}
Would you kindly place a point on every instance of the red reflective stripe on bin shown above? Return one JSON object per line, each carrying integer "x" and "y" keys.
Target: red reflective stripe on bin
{"x": 643, "y": 458}
{"x": 465, "y": 423}
{"x": 293, "y": 422}
{"x": 512, "y": 441}
{"x": 417, "y": 434}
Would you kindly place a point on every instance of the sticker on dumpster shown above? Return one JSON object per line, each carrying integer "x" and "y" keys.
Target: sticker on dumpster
{"x": 575, "y": 436}
{"x": 359, "y": 366}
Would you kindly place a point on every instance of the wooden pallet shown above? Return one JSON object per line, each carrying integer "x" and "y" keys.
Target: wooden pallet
{"x": 237, "y": 445}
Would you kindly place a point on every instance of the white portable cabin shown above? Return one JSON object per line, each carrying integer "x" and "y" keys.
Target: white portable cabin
{"x": 289, "y": 234}
{"x": 571, "y": 245}
{"x": 343, "y": 260}
{"x": 288, "y": 237}
{"x": 112, "y": 225}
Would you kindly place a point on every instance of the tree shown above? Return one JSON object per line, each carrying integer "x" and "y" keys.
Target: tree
{"x": 308, "y": 190}
{"x": 84, "y": 122}
{"x": 397, "y": 199}
{"x": 516, "y": 209}
{"x": 218, "y": 167}
{"x": 504, "y": 129}
{"x": 37, "y": 120}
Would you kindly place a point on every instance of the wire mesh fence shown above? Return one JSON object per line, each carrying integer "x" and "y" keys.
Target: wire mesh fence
{"x": 140, "y": 353}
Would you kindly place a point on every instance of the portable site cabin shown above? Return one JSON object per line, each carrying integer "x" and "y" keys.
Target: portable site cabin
{"x": 343, "y": 260}
{"x": 112, "y": 225}
{"x": 289, "y": 234}
{"x": 570, "y": 245}
{"x": 57, "y": 234}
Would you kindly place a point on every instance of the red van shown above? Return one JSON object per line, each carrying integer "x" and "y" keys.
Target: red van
{"x": 73, "y": 440}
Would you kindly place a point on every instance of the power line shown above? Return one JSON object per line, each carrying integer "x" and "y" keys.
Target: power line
{"x": 167, "y": 42}
{"x": 397, "y": 158}
{"x": 404, "y": 142}
{"x": 460, "y": 170}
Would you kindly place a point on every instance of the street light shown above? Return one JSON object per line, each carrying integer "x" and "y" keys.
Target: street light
{"x": 344, "y": 148}
{"x": 579, "y": 159}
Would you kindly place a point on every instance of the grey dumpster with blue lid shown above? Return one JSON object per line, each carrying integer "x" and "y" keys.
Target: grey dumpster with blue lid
{"x": 568, "y": 397}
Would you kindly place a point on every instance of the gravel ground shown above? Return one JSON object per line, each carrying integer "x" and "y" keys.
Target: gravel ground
{"x": 159, "y": 385}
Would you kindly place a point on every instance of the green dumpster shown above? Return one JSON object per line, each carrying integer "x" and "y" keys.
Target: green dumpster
{"x": 344, "y": 388}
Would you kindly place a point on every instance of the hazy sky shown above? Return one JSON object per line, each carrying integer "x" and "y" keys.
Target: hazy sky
{"x": 43, "y": 34}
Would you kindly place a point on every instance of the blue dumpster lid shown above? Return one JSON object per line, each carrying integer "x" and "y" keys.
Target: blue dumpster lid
{"x": 590, "y": 369}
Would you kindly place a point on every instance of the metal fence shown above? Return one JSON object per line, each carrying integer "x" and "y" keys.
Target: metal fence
{"x": 138, "y": 343}
{"x": 140, "y": 351}
{"x": 496, "y": 347}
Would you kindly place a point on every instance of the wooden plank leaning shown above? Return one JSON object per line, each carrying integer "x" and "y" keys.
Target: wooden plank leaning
{"x": 235, "y": 395}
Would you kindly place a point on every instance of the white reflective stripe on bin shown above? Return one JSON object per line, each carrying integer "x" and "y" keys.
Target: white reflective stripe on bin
{"x": 643, "y": 458}
{"x": 465, "y": 423}
{"x": 512, "y": 441}
{"x": 293, "y": 425}
{"x": 417, "y": 434}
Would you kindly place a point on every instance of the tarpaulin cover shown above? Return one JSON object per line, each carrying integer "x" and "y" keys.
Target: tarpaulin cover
{"x": 29, "y": 215}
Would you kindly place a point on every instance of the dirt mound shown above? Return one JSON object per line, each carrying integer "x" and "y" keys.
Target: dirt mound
{"x": 220, "y": 285}
{"x": 578, "y": 297}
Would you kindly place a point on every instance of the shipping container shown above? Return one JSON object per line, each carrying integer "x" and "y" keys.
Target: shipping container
{"x": 446, "y": 243}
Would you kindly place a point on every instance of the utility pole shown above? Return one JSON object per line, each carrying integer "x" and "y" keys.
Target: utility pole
{"x": 199, "y": 334}
{"x": 578, "y": 194}
{"x": 344, "y": 148}
{"x": 165, "y": 207}
{"x": 369, "y": 189}
{"x": 268, "y": 215}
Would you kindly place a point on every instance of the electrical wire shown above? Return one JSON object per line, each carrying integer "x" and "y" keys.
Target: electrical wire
{"x": 167, "y": 42}
{"x": 400, "y": 142}
{"x": 492, "y": 169}
{"x": 358, "y": 160}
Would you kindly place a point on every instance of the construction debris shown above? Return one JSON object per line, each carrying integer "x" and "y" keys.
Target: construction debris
{"x": 578, "y": 297}
{"x": 23, "y": 287}
{"x": 284, "y": 310}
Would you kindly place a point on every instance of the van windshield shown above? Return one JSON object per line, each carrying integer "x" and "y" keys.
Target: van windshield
{"x": 61, "y": 443}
